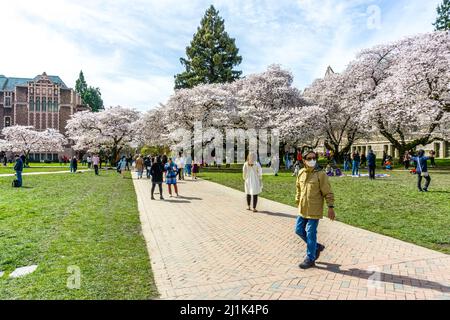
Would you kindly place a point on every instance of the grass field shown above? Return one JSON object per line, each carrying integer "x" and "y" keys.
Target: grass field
{"x": 390, "y": 206}
{"x": 78, "y": 220}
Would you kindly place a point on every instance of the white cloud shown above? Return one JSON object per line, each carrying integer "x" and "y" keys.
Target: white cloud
{"x": 132, "y": 50}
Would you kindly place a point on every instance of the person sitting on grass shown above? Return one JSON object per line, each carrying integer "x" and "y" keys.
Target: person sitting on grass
{"x": 313, "y": 187}
{"x": 388, "y": 164}
{"x": 329, "y": 170}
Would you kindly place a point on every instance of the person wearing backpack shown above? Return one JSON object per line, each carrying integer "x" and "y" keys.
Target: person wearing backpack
{"x": 18, "y": 167}
{"x": 313, "y": 187}
{"x": 422, "y": 170}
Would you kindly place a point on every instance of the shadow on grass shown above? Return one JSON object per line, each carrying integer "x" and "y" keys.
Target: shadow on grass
{"x": 384, "y": 277}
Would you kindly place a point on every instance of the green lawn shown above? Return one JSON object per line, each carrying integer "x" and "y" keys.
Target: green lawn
{"x": 73, "y": 220}
{"x": 9, "y": 169}
{"x": 389, "y": 206}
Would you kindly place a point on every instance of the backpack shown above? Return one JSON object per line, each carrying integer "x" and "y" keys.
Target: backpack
{"x": 15, "y": 183}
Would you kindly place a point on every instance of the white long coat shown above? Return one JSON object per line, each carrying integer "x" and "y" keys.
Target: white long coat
{"x": 253, "y": 178}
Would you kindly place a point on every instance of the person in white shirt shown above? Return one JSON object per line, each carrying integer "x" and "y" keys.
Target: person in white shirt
{"x": 96, "y": 162}
{"x": 252, "y": 175}
{"x": 180, "y": 164}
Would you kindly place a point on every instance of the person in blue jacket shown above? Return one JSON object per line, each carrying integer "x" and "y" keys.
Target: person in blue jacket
{"x": 371, "y": 163}
{"x": 18, "y": 167}
{"x": 422, "y": 170}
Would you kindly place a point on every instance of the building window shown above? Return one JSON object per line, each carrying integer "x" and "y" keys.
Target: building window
{"x": 56, "y": 92}
{"x": 44, "y": 104}
{"x": 55, "y": 106}
{"x": 49, "y": 91}
{"x": 31, "y": 90}
{"x": 7, "y": 101}
{"x": 37, "y": 90}
{"x": 7, "y": 122}
{"x": 31, "y": 105}
{"x": 38, "y": 104}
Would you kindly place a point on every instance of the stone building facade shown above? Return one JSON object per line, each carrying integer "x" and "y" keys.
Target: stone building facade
{"x": 42, "y": 102}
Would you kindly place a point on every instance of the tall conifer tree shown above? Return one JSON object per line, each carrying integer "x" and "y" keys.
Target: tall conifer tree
{"x": 211, "y": 56}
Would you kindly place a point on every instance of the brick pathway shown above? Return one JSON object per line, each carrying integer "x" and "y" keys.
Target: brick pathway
{"x": 205, "y": 245}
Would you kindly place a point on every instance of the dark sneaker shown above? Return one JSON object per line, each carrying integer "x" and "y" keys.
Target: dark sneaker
{"x": 425, "y": 190}
{"x": 320, "y": 248}
{"x": 161, "y": 198}
{"x": 153, "y": 198}
{"x": 306, "y": 264}
{"x": 420, "y": 190}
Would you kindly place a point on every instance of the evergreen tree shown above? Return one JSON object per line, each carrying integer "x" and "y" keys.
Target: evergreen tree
{"x": 90, "y": 95}
{"x": 443, "y": 19}
{"x": 93, "y": 97}
{"x": 81, "y": 85}
{"x": 211, "y": 55}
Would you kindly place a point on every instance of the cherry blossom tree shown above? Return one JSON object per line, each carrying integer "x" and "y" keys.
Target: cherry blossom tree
{"x": 337, "y": 116}
{"x": 25, "y": 140}
{"x": 109, "y": 130}
{"x": 408, "y": 89}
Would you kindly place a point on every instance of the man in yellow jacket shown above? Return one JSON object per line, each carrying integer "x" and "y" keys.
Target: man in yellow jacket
{"x": 313, "y": 187}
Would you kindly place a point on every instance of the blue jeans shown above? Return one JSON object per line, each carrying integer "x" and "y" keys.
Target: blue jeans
{"x": 355, "y": 168}
{"x": 306, "y": 229}
{"x": 19, "y": 177}
{"x": 346, "y": 165}
{"x": 188, "y": 168}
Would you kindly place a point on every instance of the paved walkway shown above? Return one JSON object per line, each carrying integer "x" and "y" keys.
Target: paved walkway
{"x": 39, "y": 173}
{"x": 205, "y": 245}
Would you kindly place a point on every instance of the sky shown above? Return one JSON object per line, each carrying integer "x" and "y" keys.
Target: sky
{"x": 130, "y": 49}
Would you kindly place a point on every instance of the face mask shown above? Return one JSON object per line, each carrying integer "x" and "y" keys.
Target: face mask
{"x": 311, "y": 163}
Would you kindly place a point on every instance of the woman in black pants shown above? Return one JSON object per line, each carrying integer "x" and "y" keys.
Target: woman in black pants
{"x": 157, "y": 171}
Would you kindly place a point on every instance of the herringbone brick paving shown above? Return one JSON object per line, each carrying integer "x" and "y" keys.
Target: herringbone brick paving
{"x": 205, "y": 245}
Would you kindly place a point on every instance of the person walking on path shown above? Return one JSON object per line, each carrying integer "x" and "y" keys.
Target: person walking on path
{"x": 148, "y": 166}
{"x": 95, "y": 163}
{"x": 422, "y": 170}
{"x": 195, "y": 170}
{"x": 313, "y": 187}
{"x": 252, "y": 175}
{"x": 355, "y": 163}
{"x": 188, "y": 165}
{"x": 180, "y": 165}
{"x": 18, "y": 167}
{"x": 73, "y": 164}
{"x": 156, "y": 171}
{"x": 122, "y": 166}
{"x": 139, "y": 166}
{"x": 171, "y": 176}
{"x": 371, "y": 163}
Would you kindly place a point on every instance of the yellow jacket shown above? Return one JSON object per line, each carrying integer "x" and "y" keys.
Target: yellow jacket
{"x": 313, "y": 187}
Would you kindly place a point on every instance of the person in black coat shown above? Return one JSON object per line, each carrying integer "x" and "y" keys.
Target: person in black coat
{"x": 156, "y": 172}
{"x": 371, "y": 162}
{"x": 73, "y": 165}
{"x": 147, "y": 165}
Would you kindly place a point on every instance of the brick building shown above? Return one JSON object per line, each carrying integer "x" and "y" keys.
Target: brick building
{"x": 42, "y": 102}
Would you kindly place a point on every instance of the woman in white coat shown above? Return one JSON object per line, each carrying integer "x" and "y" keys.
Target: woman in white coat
{"x": 252, "y": 174}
